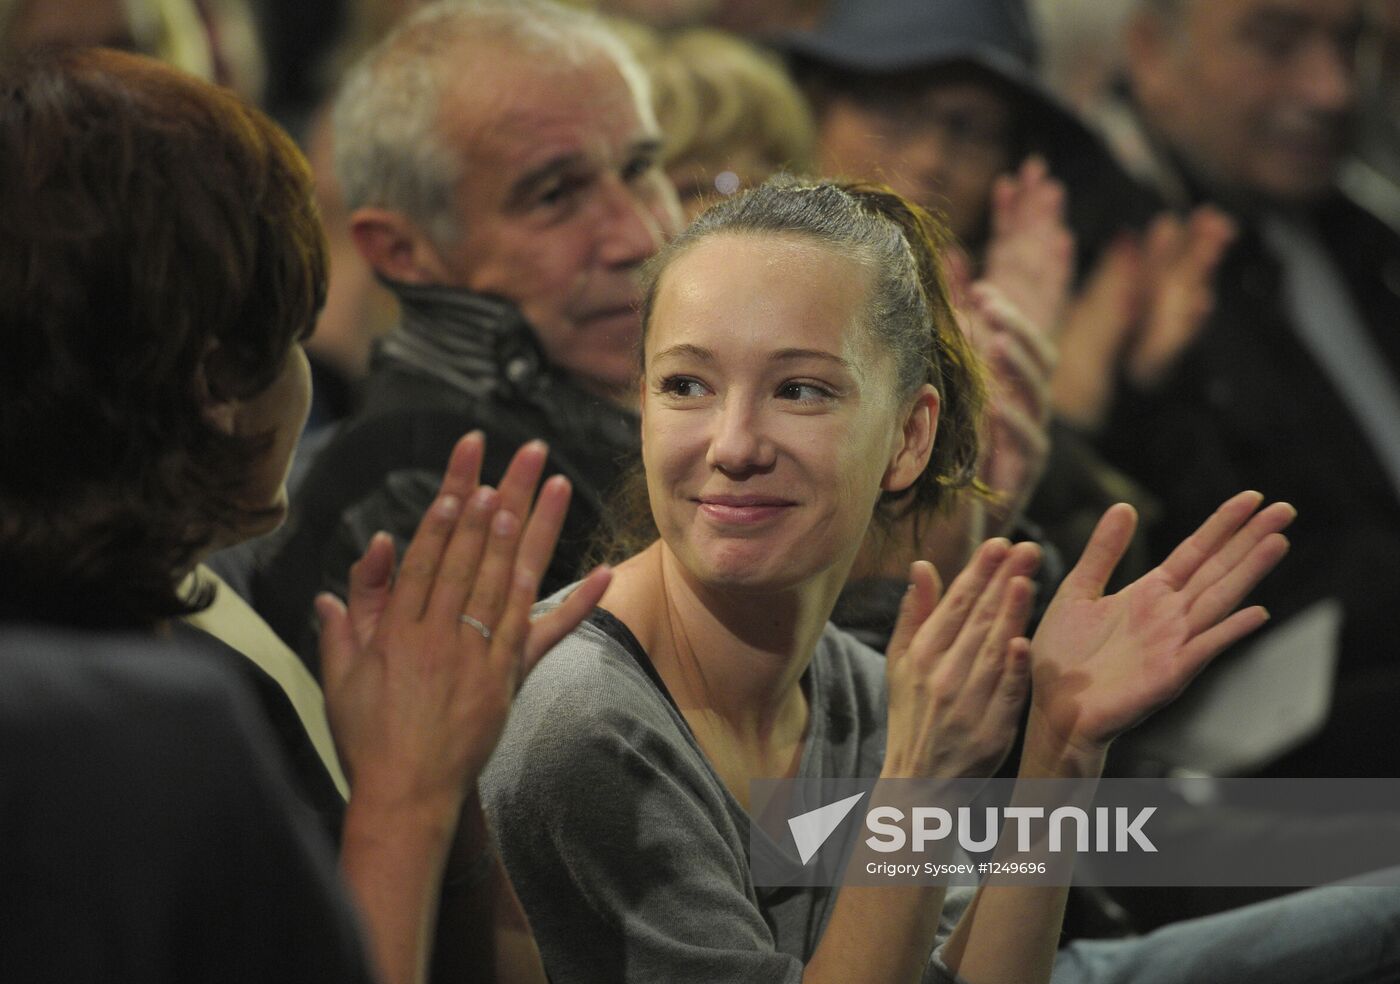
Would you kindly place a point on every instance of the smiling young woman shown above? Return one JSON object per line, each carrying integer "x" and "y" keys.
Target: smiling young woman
{"x": 758, "y": 456}
{"x": 803, "y": 377}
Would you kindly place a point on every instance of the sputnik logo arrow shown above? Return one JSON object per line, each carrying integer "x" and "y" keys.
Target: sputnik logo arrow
{"x": 810, "y": 830}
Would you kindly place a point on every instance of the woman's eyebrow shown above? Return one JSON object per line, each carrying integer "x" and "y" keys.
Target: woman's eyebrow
{"x": 685, "y": 350}
{"x": 791, "y": 354}
{"x": 851, "y": 369}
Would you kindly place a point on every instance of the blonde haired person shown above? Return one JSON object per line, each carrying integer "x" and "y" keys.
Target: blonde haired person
{"x": 729, "y": 113}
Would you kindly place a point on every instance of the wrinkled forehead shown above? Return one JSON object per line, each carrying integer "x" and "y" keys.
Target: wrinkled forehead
{"x": 510, "y": 104}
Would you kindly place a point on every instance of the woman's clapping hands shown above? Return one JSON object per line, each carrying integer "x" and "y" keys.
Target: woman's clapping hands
{"x": 960, "y": 667}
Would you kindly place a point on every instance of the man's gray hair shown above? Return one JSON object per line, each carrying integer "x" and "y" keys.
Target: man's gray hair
{"x": 389, "y": 149}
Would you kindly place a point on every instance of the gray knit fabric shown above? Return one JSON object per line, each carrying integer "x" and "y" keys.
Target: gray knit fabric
{"x": 629, "y": 854}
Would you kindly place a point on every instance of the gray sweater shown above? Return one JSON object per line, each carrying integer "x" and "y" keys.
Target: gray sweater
{"x": 630, "y": 855}
{"x": 627, "y": 850}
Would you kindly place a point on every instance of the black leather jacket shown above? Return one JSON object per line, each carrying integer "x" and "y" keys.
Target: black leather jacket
{"x": 458, "y": 361}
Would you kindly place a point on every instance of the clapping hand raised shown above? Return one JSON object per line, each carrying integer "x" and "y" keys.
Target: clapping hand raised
{"x": 1101, "y": 663}
{"x": 1020, "y": 361}
{"x": 1012, "y": 316}
{"x": 1030, "y": 254}
{"x": 420, "y": 670}
{"x": 958, "y": 667}
{"x": 1141, "y": 307}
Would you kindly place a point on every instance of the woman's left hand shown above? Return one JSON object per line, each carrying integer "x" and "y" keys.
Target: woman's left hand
{"x": 1101, "y": 663}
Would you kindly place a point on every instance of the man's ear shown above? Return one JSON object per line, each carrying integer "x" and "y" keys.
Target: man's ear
{"x": 913, "y": 445}
{"x": 396, "y": 248}
{"x": 1146, "y": 41}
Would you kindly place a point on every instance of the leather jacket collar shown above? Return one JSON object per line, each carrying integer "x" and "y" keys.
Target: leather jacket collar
{"x": 477, "y": 344}
{"x": 483, "y": 347}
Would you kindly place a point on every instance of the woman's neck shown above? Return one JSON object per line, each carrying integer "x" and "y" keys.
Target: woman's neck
{"x": 736, "y": 655}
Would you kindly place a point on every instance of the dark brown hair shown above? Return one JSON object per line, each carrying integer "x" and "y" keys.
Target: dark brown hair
{"x": 908, "y": 311}
{"x": 161, "y": 246}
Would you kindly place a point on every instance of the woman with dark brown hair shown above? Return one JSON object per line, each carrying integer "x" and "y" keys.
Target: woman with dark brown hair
{"x": 163, "y": 262}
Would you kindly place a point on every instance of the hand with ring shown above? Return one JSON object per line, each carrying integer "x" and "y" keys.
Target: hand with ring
{"x": 420, "y": 670}
{"x": 480, "y": 627}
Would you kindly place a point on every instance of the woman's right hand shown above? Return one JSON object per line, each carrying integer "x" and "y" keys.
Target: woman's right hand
{"x": 958, "y": 668}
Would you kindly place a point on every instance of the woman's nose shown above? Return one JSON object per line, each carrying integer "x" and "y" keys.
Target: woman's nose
{"x": 738, "y": 445}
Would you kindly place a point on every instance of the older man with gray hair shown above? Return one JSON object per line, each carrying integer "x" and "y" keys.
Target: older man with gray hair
{"x": 499, "y": 161}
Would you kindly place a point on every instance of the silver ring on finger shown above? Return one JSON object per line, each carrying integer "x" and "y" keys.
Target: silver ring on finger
{"x": 477, "y": 624}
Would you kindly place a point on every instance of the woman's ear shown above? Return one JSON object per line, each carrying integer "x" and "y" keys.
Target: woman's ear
{"x": 913, "y": 445}
{"x": 219, "y": 412}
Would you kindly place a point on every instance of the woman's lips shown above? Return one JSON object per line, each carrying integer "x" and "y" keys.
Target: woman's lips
{"x": 742, "y": 510}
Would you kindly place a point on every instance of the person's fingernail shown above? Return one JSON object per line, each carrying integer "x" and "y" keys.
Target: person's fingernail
{"x": 326, "y": 606}
{"x": 448, "y": 506}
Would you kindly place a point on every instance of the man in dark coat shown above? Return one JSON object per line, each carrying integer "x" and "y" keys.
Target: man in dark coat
{"x": 500, "y": 165}
{"x": 1293, "y": 387}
